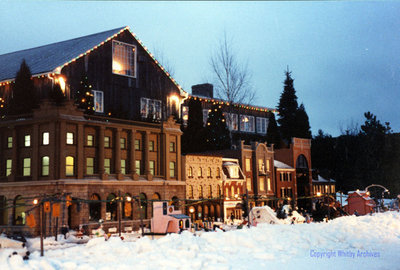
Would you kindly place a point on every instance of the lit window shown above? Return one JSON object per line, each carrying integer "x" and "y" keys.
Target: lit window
{"x": 190, "y": 192}
{"x": 27, "y": 142}
{"x": 9, "y": 142}
{"x": 190, "y": 172}
{"x": 137, "y": 166}
{"x": 122, "y": 142}
{"x": 209, "y": 191}
{"x": 151, "y": 166}
{"x": 124, "y": 59}
{"x": 248, "y": 182}
{"x": 200, "y": 191}
{"x": 27, "y": 167}
{"x": 172, "y": 169}
{"x": 172, "y": 147}
{"x": 151, "y": 146}
{"x": 8, "y": 167}
{"x": 262, "y": 125}
{"x": 283, "y": 192}
{"x": 89, "y": 166}
{"x": 69, "y": 166}
{"x": 70, "y": 138}
{"x": 185, "y": 114}
{"x": 208, "y": 172}
{"x": 106, "y": 141}
{"x": 98, "y": 98}
{"x": 107, "y": 165}
{"x": 248, "y": 165}
{"x": 269, "y": 183}
{"x": 268, "y": 167}
{"x": 45, "y": 138}
{"x": 247, "y": 123}
{"x": 233, "y": 171}
{"x": 150, "y": 108}
{"x": 137, "y": 144}
{"x": 262, "y": 183}
{"x": 90, "y": 140}
{"x": 123, "y": 166}
{"x": 200, "y": 172}
{"x": 45, "y": 165}
{"x": 261, "y": 167}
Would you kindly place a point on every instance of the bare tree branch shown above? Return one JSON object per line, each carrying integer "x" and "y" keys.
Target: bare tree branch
{"x": 232, "y": 78}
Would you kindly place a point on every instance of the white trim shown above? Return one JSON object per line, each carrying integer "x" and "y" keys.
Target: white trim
{"x": 135, "y": 58}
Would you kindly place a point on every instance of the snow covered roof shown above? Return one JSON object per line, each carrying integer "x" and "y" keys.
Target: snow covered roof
{"x": 47, "y": 58}
{"x": 280, "y": 165}
{"x": 362, "y": 193}
{"x": 323, "y": 180}
{"x": 179, "y": 216}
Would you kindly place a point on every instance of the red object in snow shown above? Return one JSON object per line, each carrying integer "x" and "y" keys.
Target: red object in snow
{"x": 359, "y": 201}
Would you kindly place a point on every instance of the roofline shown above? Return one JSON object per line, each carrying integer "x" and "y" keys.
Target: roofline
{"x": 240, "y": 105}
{"x": 58, "y": 69}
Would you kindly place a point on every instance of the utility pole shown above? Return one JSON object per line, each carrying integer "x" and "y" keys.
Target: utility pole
{"x": 41, "y": 228}
{"x": 119, "y": 212}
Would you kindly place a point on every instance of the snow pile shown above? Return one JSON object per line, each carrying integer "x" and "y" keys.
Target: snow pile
{"x": 265, "y": 214}
{"x": 370, "y": 242}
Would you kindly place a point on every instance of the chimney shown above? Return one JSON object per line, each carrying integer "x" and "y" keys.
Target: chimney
{"x": 204, "y": 90}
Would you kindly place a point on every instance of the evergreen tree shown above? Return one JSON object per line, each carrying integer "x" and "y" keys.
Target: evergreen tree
{"x": 302, "y": 123}
{"x": 287, "y": 109}
{"x": 273, "y": 135}
{"x": 57, "y": 95}
{"x": 24, "y": 98}
{"x": 217, "y": 132}
{"x": 193, "y": 135}
{"x": 83, "y": 96}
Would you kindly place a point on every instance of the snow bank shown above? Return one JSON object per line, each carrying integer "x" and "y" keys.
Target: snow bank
{"x": 370, "y": 242}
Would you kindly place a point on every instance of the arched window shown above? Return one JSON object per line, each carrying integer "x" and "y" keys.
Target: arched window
{"x": 200, "y": 173}
{"x": 143, "y": 205}
{"x": 111, "y": 207}
{"x": 190, "y": 172}
{"x": 200, "y": 191}
{"x": 3, "y": 211}
{"x": 208, "y": 172}
{"x": 19, "y": 211}
{"x": 219, "y": 190}
{"x": 301, "y": 162}
{"x": 69, "y": 166}
{"x": 94, "y": 208}
{"x": 127, "y": 206}
{"x": 209, "y": 191}
{"x": 190, "y": 192}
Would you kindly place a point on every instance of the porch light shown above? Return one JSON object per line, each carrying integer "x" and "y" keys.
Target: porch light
{"x": 35, "y": 201}
{"x": 318, "y": 194}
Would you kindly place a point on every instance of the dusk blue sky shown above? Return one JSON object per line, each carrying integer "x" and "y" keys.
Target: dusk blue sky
{"x": 344, "y": 56}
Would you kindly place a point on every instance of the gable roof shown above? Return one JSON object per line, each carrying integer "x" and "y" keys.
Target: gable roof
{"x": 47, "y": 58}
{"x": 280, "y": 165}
{"x": 53, "y": 57}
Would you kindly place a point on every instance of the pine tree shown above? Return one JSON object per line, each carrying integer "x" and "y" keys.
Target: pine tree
{"x": 217, "y": 132}
{"x": 84, "y": 96}
{"x": 273, "y": 135}
{"x": 302, "y": 123}
{"x": 193, "y": 135}
{"x": 287, "y": 108}
{"x": 24, "y": 98}
{"x": 57, "y": 95}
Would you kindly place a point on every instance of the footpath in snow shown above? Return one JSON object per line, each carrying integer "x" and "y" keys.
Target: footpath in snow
{"x": 368, "y": 242}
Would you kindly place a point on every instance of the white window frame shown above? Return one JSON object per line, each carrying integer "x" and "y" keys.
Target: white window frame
{"x": 146, "y": 104}
{"x": 134, "y": 58}
{"x": 232, "y": 120}
{"x": 27, "y": 140}
{"x": 205, "y": 116}
{"x": 70, "y": 138}
{"x": 247, "y": 126}
{"x": 45, "y": 138}
{"x": 262, "y": 125}
{"x": 98, "y": 101}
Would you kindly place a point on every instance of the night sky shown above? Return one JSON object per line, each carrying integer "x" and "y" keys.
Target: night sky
{"x": 344, "y": 56}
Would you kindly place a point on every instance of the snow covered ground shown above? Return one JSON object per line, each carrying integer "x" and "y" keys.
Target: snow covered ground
{"x": 369, "y": 242}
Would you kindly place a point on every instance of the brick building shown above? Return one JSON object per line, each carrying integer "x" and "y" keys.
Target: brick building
{"x": 97, "y": 159}
{"x": 286, "y": 182}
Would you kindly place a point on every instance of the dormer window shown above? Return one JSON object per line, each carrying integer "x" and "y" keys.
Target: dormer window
{"x": 124, "y": 59}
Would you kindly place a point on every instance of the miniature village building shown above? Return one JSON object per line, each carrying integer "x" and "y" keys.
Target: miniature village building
{"x": 359, "y": 202}
{"x": 285, "y": 176}
{"x": 128, "y": 147}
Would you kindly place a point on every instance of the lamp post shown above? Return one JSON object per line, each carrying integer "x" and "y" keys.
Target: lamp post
{"x": 36, "y": 202}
